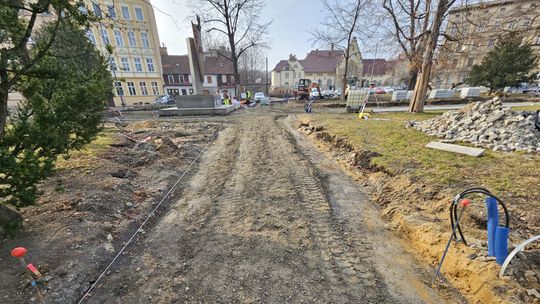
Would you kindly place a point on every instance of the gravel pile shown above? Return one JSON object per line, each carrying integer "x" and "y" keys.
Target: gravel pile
{"x": 486, "y": 124}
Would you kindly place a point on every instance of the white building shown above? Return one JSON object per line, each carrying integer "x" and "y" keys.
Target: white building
{"x": 324, "y": 67}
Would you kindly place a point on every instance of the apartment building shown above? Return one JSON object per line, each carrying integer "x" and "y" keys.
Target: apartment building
{"x": 476, "y": 28}
{"x": 129, "y": 26}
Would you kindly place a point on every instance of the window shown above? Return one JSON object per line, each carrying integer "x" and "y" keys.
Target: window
{"x": 125, "y": 12}
{"x": 155, "y": 88}
{"x": 104, "y": 37}
{"x": 125, "y": 64}
{"x": 526, "y": 23}
{"x": 144, "y": 90}
{"x": 184, "y": 92}
{"x": 112, "y": 11}
{"x": 181, "y": 79}
{"x": 97, "y": 10}
{"x": 511, "y": 24}
{"x": 91, "y": 36}
{"x": 131, "y": 38}
{"x": 170, "y": 78}
{"x": 139, "y": 14}
{"x": 497, "y": 24}
{"x": 286, "y": 74}
{"x": 113, "y": 64}
{"x": 490, "y": 43}
{"x": 480, "y": 28}
{"x": 138, "y": 64}
{"x": 470, "y": 62}
{"x": 150, "y": 64}
{"x": 209, "y": 79}
{"x": 224, "y": 78}
{"x": 119, "y": 88}
{"x": 131, "y": 88}
{"x": 538, "y": 40}
{"x": 144, "y": 39}
{"x": 118, "y": 38}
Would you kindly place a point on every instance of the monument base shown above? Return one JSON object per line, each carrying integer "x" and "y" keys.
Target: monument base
{"x": 196, "y": 105}
{"x": 175, "y": 111}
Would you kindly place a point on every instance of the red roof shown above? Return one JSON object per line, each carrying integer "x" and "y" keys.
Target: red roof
{"x": 379, "y": 66}
{"x": 321, "y": 61}
{"x": 179, "y": 64}
{"x": 281, "y": 65}
{"x": 218, "y": 65}
{"x": 175, "y": 64}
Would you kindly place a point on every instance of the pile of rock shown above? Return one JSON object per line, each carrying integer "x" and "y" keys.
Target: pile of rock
{"x": 486, "y": 124}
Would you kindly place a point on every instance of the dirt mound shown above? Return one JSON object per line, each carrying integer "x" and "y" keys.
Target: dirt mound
{"x": 487, "y": 124}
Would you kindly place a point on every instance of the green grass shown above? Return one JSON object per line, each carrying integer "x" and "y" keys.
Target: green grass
{"x": 527, "y": 108}
{"x": 83, "y": 158}
{"x": 402, "y": 152}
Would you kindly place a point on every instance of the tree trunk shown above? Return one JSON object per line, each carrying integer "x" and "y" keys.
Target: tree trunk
{"x": 420, "y": 89}
{"x": 4, "y": 95}
{"x": 413, "y": 75}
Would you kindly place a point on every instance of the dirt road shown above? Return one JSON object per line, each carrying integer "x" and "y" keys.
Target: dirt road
{"x": 259, "y": 223}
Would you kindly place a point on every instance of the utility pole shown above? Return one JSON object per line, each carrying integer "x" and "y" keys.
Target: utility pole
{"x": 266, "y": 78}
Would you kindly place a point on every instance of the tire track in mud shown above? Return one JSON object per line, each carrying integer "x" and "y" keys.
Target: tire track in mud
{"x": 254, "y": 226}
{"x": 348, "y": 256}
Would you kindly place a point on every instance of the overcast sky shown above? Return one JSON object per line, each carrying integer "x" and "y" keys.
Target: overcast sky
{"x": 292, "y": 19}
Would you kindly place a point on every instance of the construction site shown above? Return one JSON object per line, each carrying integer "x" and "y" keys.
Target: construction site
{"x": 202, "y": 177}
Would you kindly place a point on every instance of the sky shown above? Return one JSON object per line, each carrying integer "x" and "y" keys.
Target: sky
{"x": 289, "y": 31}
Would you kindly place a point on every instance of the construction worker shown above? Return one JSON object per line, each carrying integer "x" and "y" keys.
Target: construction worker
{"x": 248, "y": 97}
{"x": 226, "y": 98}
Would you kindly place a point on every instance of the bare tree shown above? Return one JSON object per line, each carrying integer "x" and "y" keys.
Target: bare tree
{"x": 420, "y": 89}
{"x": 236, "y": 24}
{"x": 410, "y": 21}
{"x": 251, "y": 65}
{"x": 340, "y": 27}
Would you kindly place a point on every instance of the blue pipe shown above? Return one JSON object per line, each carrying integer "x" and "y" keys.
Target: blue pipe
{"x": 492, "y": 223}
{"x": 501, "y": 244}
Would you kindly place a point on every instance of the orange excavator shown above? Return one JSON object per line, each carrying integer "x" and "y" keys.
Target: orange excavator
{"x": 304, "y": 88}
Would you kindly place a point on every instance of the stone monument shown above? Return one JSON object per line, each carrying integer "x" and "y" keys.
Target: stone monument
{"x": 198, "y": 103}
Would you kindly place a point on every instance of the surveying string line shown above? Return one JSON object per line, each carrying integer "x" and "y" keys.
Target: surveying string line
{"x": 148, "y": 218}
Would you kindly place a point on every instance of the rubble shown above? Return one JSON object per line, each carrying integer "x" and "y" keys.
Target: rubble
{"x": 486, "y": 124}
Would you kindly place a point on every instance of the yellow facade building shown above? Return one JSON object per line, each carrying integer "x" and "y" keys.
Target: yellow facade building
{"x": 129, "y": 26}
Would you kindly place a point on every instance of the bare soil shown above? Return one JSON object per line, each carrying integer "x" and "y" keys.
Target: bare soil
{"x": 91, "y": 205}
{"x": 263, "y": 218}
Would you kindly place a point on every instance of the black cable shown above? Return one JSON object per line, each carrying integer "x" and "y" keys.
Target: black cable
{"x": 459, "y": 197}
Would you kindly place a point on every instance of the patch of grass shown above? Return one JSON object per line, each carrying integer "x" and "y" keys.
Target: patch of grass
{"x": 403, "y": 151}
{"x": 527, "y": 108}
{"x": 83, "y": 158}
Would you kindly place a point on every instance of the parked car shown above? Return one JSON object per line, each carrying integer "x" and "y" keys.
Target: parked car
{"x": 165, "y": 99}
{"x": 337, "y": 92}
{"x": 258, "y": 96}
{"x": 328, "y": 93}
{"x": 380, "y": 91}
{"x": 388, "y": 90}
